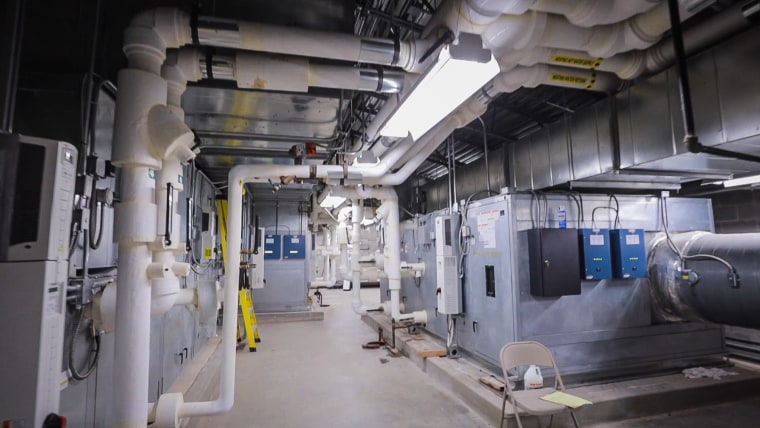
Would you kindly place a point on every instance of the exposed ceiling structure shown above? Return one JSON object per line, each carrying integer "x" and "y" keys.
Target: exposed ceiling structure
{"x": 248, "y": 126}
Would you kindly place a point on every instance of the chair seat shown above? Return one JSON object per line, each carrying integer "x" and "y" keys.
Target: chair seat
{"x": 531, "y": 402}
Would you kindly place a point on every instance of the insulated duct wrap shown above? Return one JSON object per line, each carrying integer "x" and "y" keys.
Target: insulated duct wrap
{"x": 703, "y": 289}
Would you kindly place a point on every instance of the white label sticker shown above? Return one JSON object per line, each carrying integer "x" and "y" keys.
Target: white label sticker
{"x": 596, "y": 239}
{"x": 632, "y": 240}
{"x": 295, "y": 240}
{"x": 270, "y": 240}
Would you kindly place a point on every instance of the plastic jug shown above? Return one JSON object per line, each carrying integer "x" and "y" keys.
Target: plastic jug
{"x": 533, "y": 378}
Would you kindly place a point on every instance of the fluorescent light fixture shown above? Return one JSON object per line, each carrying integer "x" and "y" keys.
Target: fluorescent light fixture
{"x": 454, "y": 77}
{"x": 332, "y": 201}
{"x": 752, "y": 179}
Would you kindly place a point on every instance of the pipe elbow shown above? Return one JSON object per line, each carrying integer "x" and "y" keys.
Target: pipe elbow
{"x": 359, "y": 308}
{"x": 171, "y": 24}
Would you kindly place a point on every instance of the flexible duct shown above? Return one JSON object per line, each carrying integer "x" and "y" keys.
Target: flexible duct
{"x": 584, "y": 13}
{"x": 703, "y": 289}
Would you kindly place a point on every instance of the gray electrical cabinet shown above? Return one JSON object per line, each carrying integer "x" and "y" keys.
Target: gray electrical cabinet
{"x": 554, "y": 262}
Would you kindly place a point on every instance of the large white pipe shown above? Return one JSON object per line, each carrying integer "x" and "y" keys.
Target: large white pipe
{"x": 539, "y": 74}
{"x": 583, "y": 13}
{"x": 387, "y": 212}
{"x": 356, "y": 281}
{"x": 141, "y": 88}
{"x": 261, "y": 37}
{"x": 298, "y": 74}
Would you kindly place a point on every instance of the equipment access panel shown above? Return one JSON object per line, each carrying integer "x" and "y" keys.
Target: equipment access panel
{"x": 554, "y": 262}
{"x": 294, "y": 247}
{"x": 272, "y": 247}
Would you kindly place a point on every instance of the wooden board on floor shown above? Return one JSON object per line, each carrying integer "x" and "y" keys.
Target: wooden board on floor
{"x": 492, "y": 383}
{"x": 431, "y": 353}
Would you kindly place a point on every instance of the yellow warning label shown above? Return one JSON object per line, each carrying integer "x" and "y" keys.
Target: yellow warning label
{"x": 568, "y": 78}
{"x": 591, "y": 63}
{"x": 208, "y": 253}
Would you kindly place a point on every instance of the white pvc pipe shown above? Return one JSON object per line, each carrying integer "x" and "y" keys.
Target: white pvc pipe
{"x": 539, "y": 74}
{"x": 261, "y": 37}
{"x": 388, "y": 212}
{"x": 134, "y": 228}
{"x": 356, "y": 281}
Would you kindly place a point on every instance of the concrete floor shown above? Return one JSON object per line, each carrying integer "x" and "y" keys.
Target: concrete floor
{"x": 742, "y": 414}
{"x": 315, "y": 374}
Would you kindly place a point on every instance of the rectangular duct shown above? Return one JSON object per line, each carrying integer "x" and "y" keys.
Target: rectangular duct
{"x": 650, "y": 128}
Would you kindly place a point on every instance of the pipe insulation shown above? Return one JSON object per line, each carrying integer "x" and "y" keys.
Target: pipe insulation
{"x": 583, "y": 13}
{"x": 295, "y": 74}
{"x": 521, "y": 28}
{"x": 308, "y": 43}
{"x": 702, "y": 289}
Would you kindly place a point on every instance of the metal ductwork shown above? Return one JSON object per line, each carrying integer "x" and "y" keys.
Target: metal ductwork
{"x": 716, "y": 278}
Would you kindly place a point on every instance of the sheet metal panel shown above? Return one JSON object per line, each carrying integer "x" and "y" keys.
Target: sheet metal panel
{"x": 608, "y": 325}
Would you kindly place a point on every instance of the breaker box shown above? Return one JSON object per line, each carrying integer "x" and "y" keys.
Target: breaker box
{"x": 595, "y": 254}
{"x": 272, "y": 247}
{"x": 554, "y": 262}
{"x": 255, "y": 270}
{"x": 629, "y": 253}
{"x": 448, "y": 292}
{"x": 294, "y": 247}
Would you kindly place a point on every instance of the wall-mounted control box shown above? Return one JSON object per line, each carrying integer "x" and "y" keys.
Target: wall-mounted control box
{"x": 629, "y": 253}
{"x": 554, "y": 262}
{"x": 595, "y": 254}
{"x": 294, "y": 247}
{"x": 272, "y": 247}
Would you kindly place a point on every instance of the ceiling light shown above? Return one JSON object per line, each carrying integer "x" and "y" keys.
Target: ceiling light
{"x": 752, "y": 179}
{"x": 460, "y": 70}
{"x": 332, "y": 201}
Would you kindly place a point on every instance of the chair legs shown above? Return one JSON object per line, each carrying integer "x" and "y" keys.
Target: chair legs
{"x": 503, "y": 406}
{"x": 575, "y": 421}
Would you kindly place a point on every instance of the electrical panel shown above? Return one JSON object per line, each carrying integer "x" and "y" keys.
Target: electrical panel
{"x": 629, "y": 253}
{"x": 595, "y": 251}
{"x": 294, "y": 247}
{"x": 272, "y": 247}
{"x": 448, "y": 291}
{"x": 256, "y": 262}
{"x": 554, "y": 262}
{"x": 208, "y": 235}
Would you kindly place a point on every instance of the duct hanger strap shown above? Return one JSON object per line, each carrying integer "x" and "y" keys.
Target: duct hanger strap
{"x": 690, "y": 139}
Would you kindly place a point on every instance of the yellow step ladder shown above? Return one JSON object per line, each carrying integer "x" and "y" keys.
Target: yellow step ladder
{"x": 246, "y": 300}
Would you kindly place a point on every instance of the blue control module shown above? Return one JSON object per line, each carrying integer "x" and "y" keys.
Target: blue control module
{"x": 595, "y": 250}
{"x": 294, "y": 247}
{"x": 272, "y": 247}
{"x": 629, "y": 253}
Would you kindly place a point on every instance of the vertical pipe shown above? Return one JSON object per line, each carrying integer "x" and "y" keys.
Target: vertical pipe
{"x": 356, "y": 280}
{"x": 10, "y": 49}
{"x": 485, "y": 155}
{"x": 133, "y": 297}
{"x": 690, "y": 136}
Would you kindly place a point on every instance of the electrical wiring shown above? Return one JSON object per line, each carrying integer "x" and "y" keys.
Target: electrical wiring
{"x": 72, "y": 341}
{"x": 593, "y": 213}
{"x": 464, "y": 238}
{"x": 683, "y": 258}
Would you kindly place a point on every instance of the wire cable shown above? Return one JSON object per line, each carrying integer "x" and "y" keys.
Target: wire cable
{"x": 72, "y": 341}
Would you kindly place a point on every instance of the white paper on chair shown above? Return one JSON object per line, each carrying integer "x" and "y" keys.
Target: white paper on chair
{"x": 566, "y": 399}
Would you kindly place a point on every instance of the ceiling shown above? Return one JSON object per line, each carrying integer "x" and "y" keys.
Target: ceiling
{"x": 237, "y": 126}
